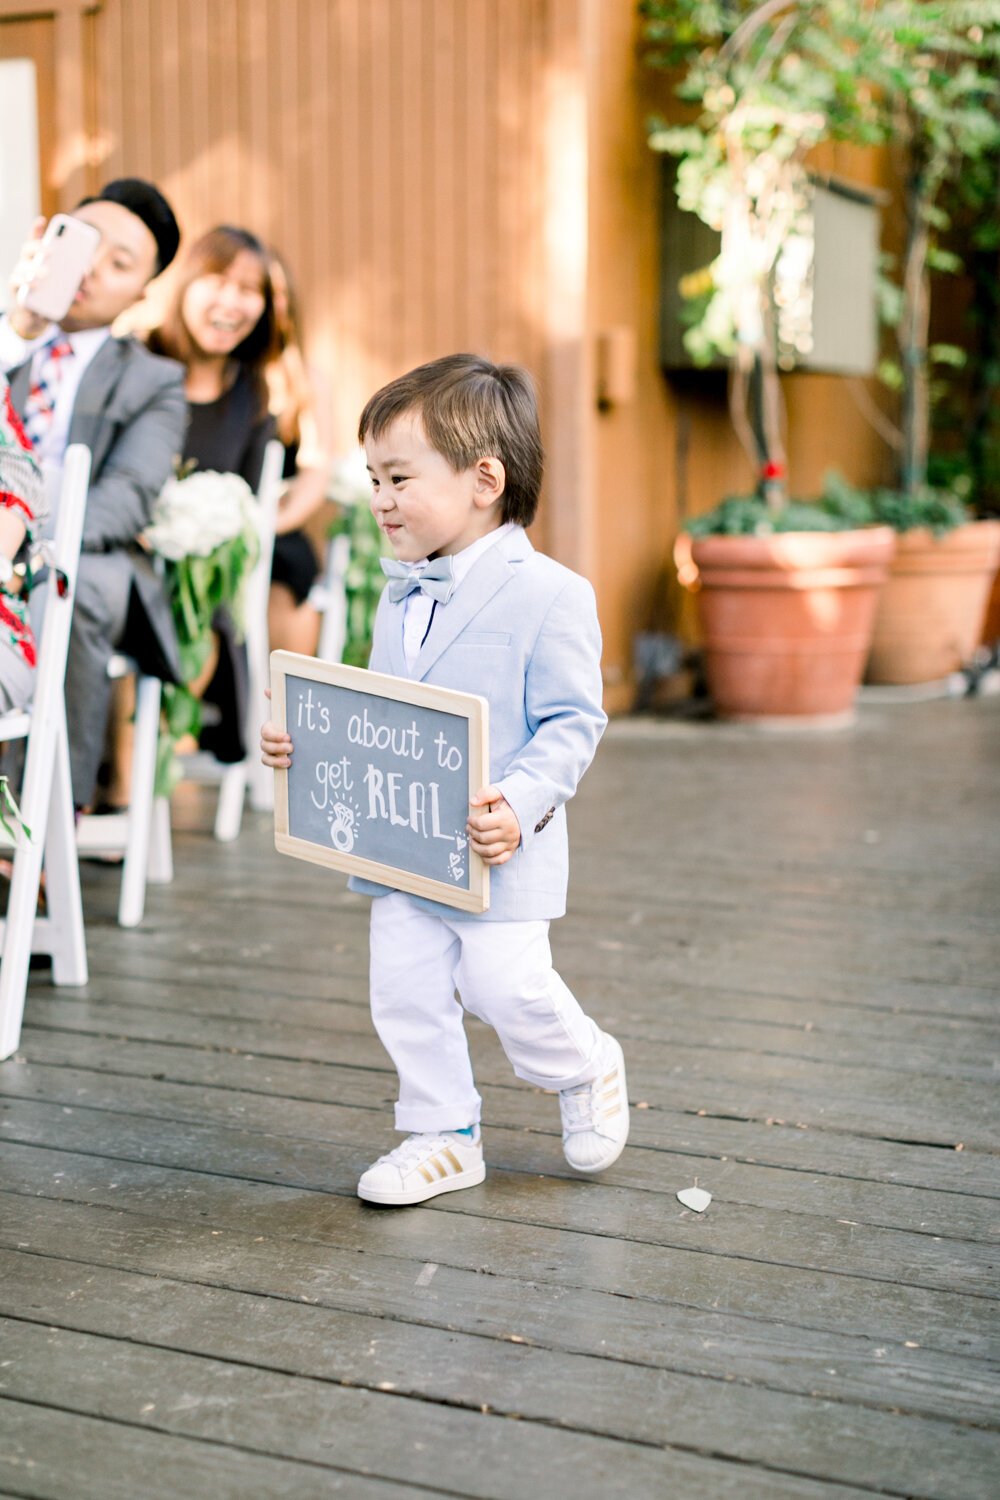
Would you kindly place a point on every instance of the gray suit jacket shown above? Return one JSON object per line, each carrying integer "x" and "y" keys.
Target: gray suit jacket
{"x": 521, "y": 631}
{"x": 131, "y": 413}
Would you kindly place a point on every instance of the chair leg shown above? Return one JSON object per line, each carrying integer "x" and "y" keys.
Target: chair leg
{"x": 147, "y": 728}
{"x": 261, "y": 779}
{"x": 17, "y": 931}
{"x": 62, "y": 873}
{"x": 229, "y": 811}
{"x": 161, "y": 854}
{"x": 48, "y": 803}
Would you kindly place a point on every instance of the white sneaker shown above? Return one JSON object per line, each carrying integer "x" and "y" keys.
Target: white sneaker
{"x": 422, "y": 1167}
{"x": 595, "y": 1114}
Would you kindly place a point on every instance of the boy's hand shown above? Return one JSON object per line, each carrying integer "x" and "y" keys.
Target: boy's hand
{"x": 494, "y": 832}
{"x": 275, "y": 747}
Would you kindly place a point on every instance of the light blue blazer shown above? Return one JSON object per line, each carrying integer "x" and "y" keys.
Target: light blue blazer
{"x": 521, "y": 631}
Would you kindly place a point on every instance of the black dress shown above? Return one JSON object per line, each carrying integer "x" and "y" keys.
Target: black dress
{"x": 229, "y": 435}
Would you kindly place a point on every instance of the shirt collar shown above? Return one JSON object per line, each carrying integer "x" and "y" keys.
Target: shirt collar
{"x": 87, "y": 341}
{"x": 463, "y": 561}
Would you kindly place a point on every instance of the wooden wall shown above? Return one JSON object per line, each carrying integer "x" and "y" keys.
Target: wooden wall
{"x": 439, "y": 174}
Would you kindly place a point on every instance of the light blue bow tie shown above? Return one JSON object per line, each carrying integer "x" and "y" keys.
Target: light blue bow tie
{"x": 436, "y": 579}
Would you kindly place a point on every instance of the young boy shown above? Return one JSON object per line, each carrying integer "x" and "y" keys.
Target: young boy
{"x": 455, "y": 459}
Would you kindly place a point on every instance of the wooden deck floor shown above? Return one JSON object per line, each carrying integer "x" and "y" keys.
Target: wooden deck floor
{"x": 795, "y": 939}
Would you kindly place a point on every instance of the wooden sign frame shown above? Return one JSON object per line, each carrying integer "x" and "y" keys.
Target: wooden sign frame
{"x": 475, "y": 710}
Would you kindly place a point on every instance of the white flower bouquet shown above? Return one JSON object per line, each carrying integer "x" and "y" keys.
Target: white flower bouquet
{"x": 204, "y": 528}
{"x": 350, "y": 483}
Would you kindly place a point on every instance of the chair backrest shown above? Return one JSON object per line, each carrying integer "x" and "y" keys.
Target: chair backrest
{"x": 48, "y": 709}
{"x": 259, "y": 583}
{"x": 333, "y": 595}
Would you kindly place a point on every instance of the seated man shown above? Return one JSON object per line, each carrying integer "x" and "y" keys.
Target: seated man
{"x": 75, "y": 383}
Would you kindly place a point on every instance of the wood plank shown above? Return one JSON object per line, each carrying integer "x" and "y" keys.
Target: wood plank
{"x": 698, "y": 1131}
{"x": 946, "y": 1215}
{"x": 745, "y": 1233}
{"x": 827, "y": 1157}
{"x": 721, "y": 1347}
{"x": 943, "y": 1112}
{"x": 111, "y": 1460}
{"x": 679, "y": 1272}
{"x": 945, "y": 1049}
{"x": 448, "y": 1442}
{"x": 590, "y": 968}
{"x": 472, "y": 1369}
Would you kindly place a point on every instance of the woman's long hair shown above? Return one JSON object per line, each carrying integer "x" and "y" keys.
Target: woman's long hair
{"x": 211, "y": 255}
{"x": 291, "y": 395}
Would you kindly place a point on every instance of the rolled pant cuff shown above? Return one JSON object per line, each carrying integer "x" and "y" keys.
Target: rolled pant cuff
{"x": 584, "y": 1074}
{"x": 425, "y": 1118}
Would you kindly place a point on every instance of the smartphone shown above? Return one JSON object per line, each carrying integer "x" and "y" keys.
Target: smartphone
{"x": 69, "y": 246}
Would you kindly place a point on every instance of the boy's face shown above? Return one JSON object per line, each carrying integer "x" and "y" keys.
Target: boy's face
{"x": 125, "y": 261}
{"x": 424, "y": 507}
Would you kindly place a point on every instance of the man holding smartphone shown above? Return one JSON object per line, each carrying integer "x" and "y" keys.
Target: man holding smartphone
{"x": 73, "y": 382}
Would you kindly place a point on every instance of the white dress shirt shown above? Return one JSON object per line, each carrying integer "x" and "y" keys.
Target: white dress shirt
{"x": 51, "y": 449}
{"x": 418, "y": 607}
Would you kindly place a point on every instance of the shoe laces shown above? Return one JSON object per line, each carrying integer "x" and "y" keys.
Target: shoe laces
{"x": 580, "y": 1106}
{"x": 413, "y": 1150}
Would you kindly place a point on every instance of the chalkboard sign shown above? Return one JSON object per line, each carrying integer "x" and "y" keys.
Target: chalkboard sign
{"x": 381, "y": 776}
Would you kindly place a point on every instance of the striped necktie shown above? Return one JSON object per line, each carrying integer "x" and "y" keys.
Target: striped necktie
{"x": 39, "y": 409}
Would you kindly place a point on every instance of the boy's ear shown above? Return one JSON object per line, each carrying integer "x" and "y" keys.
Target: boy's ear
{"x": 491, "y": 481}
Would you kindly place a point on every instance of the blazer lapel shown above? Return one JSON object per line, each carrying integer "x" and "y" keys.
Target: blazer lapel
{"x": 487, "y": 577}
{"x": 100, "y": 380}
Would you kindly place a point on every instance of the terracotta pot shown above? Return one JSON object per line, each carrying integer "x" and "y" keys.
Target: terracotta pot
{"x": 930, "y": 615}
{"x": 991, "y": 623}
{"x": 788, "y": 619}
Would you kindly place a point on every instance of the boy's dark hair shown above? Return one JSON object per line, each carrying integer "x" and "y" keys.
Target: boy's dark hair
{"x": 471, "y": 409}
{"x": 148, "y": 204}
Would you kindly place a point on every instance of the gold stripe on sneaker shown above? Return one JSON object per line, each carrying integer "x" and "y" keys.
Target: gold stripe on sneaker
{"x": 612, "y": 1076}
{"x": 427, "y": 1176}
{"x": 449, "y": 1155}
{"x": 435, "y": 1162}
{"x": 615, "y": 1110}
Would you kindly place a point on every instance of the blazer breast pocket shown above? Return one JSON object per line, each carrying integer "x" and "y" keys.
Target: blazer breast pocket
{"x": 484, "y": 638}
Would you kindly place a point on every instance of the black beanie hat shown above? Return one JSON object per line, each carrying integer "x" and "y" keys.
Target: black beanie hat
{"x": 148, "y": 204}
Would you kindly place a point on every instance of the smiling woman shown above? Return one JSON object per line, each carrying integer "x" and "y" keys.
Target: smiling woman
{"x": 221, "y": 325}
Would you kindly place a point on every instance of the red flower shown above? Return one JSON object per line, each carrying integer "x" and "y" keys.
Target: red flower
{"x": 772, "y": 470}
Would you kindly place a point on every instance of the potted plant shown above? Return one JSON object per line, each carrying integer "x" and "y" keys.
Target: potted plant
{"x": 772, "y": 80}
{"x": 937, "y": 91}
{"x": 787, "y": 591}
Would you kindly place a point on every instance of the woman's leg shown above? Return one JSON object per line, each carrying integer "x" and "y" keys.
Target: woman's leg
{"x": 292, "y": 626}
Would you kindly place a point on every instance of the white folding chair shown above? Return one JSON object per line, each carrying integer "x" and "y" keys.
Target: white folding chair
{"x": 142, "y": 833}
{"x": 46, "y": 795}
{"x": 137, "y": 832}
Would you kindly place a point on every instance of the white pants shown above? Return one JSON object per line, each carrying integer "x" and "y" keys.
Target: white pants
{"x": 503, "y": 973}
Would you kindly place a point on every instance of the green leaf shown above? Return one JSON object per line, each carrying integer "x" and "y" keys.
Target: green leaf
{"x": 890, "y": 374}
{"x": 945, "y": 261}
{"x": 948, "y": 354}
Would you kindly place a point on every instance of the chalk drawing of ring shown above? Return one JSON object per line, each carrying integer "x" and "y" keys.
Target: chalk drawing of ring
{"x": 342, "y": 829}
